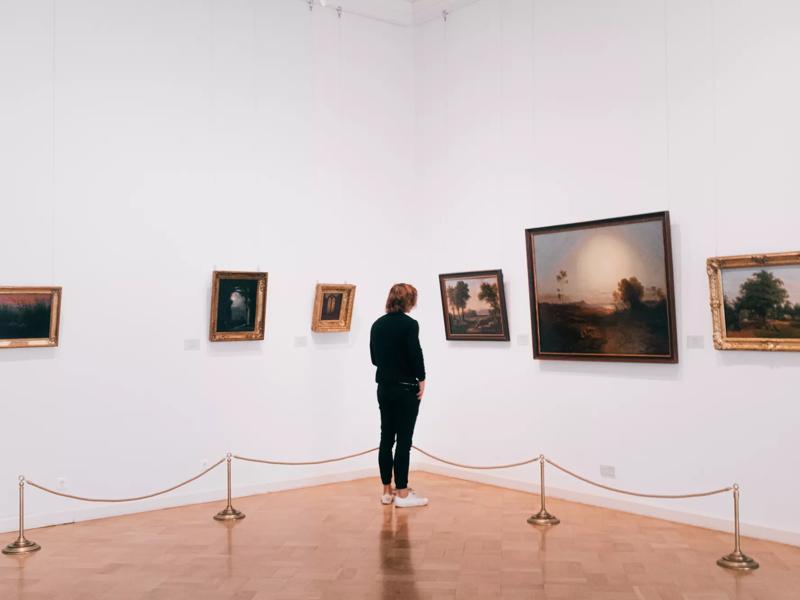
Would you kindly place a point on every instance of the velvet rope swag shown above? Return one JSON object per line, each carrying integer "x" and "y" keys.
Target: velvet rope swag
{"x": 736, "y": 560}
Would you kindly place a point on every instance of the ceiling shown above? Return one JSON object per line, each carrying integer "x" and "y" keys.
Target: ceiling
{"x": 399, "y": 12}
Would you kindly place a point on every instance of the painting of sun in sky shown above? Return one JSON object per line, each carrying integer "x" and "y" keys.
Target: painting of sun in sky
{"x": 602, "y": 290}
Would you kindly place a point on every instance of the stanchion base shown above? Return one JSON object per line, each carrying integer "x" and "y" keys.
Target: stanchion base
{"x": 738, "y": 562}
{"x": 229, "y": 514}
{"x": 543, "y": 518}
{"x": 21, "y": 546}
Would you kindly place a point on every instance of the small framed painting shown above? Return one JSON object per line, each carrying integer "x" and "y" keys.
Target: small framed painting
{"x": 333, "y": 308}
{"x": 755, "y": 301}
{"x": 238, "y": 306}
{"x": 474, "y": 306}
{"x": 29, "y": 316}
{"x": 603, "y": 290}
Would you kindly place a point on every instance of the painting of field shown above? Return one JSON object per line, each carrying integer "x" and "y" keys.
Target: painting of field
{"x": 474, "y": 306}
{"x": 762, "y": 302}
{"x": 603, "y": 290}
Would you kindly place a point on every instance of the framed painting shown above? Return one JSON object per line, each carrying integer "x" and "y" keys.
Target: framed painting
{"x": 755, "y": 301}
{"x": 603, "y": 290}
{"x": 333, "y": 308}
{"x": 474, "y": 306}
{"x": 238, "y": 306}
{"x": 29, "y": 316}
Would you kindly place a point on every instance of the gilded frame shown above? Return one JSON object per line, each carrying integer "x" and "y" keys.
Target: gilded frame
{"x": 260, "y": 309}
{"x": 714, "y": 267}
{"x": 671, "y": 357}
{"x": 343, "y": 324}
{"x": 504, "y": 335}
{"x": 55, "y": 318}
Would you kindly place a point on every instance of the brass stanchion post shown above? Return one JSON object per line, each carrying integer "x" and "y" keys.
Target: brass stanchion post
{"x": 542, "y": 517}
{"x": 21, "y": 545}
{"x": 229, "y": 513}
{"x": 737, "y": 560}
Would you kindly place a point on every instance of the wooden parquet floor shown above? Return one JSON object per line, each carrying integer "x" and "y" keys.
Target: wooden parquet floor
{"x": 338, "y": 542}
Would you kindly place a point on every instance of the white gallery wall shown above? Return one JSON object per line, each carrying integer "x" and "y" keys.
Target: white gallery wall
{"x": 534, "y": 113}
{"x": 145, "y": 144}
{"x": 159, "y": 141}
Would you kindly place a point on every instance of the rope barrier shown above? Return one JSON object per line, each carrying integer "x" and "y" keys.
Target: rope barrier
{"x": 154, "y": 494}
{"x": 474, "y": 467}
{"x": 736, "y": 560}
{"x": 289, "y": 463}
{"x": 628, "y": 493}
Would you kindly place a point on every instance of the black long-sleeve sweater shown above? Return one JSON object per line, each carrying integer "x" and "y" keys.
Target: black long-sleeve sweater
{"x": 395, "y": 349}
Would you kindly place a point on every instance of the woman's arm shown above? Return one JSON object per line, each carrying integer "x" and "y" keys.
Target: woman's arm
{"x": 416, "y": 360}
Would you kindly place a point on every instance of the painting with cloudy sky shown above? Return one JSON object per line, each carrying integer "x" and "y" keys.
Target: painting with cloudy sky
{"x": 603, "y": 290}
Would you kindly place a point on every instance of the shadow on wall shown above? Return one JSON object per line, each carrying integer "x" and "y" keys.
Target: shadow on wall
{"x": 330, "y": 340}
{"x": 777, "y": 360}
{"x": 27, "y": 354}
{"x": 237, "y": 348}
{"x": 668, "y": 372}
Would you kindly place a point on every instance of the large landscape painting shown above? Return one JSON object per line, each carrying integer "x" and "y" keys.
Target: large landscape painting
{"x": 474, "y": 306}
{"x": 756, "y": 302}
{"x": 602, "y": 290}
{"x": 29, "y": 317}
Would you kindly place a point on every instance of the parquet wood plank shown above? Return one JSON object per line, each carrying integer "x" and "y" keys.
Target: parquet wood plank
{"x": 337, "y": 542}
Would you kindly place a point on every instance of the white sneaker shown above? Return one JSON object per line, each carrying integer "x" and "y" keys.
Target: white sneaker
{"x": 409, "y": 501}
{"x": 387, "y": 498}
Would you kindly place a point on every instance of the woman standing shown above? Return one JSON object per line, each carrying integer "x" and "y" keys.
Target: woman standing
{"x": 394, "y": 346}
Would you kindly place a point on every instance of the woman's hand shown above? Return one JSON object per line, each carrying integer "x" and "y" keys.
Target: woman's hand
{"x": 421, "y": 391}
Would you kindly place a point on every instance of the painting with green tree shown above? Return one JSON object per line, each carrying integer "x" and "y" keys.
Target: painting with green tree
{"x": 474, "y": 306}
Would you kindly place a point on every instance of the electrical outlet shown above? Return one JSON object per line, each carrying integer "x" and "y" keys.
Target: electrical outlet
{"x": 301, "y": 341}
{"x": 191, "y": 345}
{"x": 608, "y": 471}
{"x": 696, "y": 342}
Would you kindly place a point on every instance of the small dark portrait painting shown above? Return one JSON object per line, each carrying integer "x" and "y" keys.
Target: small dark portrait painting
{"x": 474, "y": 306}
{"x": 29, "y": 317}
{"x": 333, "y": 308}
{"x": 238, "y": 306}
{"x": 602, "y": 290}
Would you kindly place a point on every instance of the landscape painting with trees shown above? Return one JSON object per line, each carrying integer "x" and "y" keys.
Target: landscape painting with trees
{"x": 756, "y": 302}
{"x": 474, "y": 306}
{"x": 29, "y": 316}
{"x": 602, "y": 290}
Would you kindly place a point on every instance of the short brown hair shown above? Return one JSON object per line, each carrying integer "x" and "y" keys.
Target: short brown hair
{"x": 402, "y": 298}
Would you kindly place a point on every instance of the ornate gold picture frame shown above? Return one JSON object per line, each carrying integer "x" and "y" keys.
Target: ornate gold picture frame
{"x": 29, "y": 316}
{"x": 755, "y": 301}
{"x": 333, "y": 308}
{"x": 238, "y": 306}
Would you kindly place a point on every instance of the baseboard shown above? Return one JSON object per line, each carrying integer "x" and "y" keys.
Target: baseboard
{"x": 687, "y": 518}
{"x": 88, "y": 512}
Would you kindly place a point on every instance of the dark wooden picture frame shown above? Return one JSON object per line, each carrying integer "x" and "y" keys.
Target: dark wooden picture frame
{"x": 640, "y": 315}
{"x": 495, "y": 307}
{"x": 249, "y": 321}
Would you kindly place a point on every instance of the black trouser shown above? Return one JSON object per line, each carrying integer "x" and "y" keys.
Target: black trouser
{"x": 399, "y": 408}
